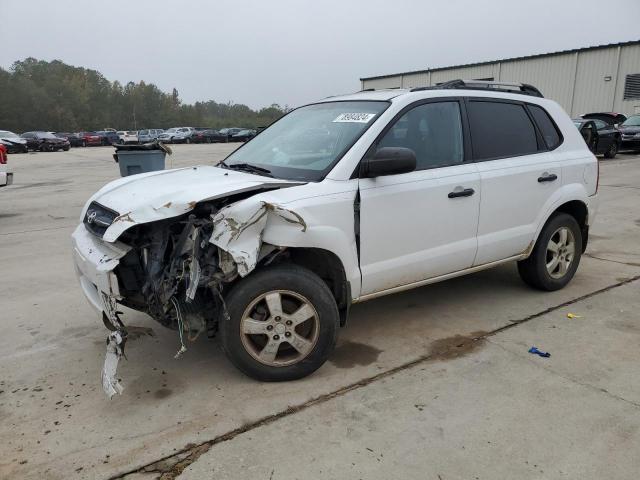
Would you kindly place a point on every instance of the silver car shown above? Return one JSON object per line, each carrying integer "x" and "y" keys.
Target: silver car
{"x": 150, "y": 135}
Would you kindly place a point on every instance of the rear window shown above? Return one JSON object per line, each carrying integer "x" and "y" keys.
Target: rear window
{"x": 547, "y": 127}
{"x": 500, "y": 129}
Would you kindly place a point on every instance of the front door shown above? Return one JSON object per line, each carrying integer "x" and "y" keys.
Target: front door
{"x": 421, "y": 224}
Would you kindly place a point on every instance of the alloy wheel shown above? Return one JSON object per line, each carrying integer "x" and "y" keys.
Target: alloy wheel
{"x": 560, "y": 252}
{"x": 279, "y": 328}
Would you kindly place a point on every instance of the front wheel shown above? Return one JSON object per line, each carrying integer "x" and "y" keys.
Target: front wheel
{"x": 612, "y": 151}
{"x": 282, "y": 324}
{"x": 556, "y": 254}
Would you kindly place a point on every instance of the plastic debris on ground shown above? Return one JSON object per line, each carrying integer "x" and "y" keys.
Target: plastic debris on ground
{"x": 535, "y": 351}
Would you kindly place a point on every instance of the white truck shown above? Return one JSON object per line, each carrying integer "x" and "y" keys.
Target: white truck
{"x": 339, "y": 202}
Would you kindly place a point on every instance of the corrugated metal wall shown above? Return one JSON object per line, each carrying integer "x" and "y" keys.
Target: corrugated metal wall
{"x": 553, "y": 76}
{"x": 579, "y": 81}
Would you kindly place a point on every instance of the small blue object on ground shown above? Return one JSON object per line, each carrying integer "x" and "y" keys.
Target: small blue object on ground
{"x": 535, "y": 351}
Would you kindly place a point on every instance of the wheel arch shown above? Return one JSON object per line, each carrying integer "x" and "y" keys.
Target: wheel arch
{"x": 578, "y": 209}
{"x": 328, "y": 266}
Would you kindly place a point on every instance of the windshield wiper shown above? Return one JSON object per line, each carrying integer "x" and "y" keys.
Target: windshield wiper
{"x": 247, "y": 167}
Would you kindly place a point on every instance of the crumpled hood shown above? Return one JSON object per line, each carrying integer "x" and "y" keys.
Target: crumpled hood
{"x": 629, "y": 129}
{"x": 154, "y": 196}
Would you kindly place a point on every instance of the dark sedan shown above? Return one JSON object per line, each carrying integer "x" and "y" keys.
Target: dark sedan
{"x": 208, "y": 135}
{"x": 243, "y": 135}
{"x": 45, "y": 141}
{"x": 12, "y": 142}
{"x": 108, "y": 137}
{"x": 73, "y": 138}
{"x": 630, "y": 130}
{"x": 600, "y": 137}
{"x": 230, "y": 132}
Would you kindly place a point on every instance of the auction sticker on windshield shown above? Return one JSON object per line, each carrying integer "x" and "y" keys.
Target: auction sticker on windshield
{"x": 354, "y": 117}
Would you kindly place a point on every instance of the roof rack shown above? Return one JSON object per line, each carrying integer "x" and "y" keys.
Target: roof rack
{"x": 521, "y": 88}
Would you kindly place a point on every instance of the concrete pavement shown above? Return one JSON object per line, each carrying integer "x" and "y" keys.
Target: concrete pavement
{"x": 58, "y": 423}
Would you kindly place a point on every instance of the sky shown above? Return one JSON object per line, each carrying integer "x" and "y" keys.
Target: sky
{"x": 293, "y": 52}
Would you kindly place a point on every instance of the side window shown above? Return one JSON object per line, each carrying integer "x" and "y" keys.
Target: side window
{"x": 500, "y": 130}
{"x": 546, "y": 126}
{"x": 433, "y": 131}
{"x": 600, "y": 124}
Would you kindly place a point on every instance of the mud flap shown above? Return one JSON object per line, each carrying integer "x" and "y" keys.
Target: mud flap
{"x": 115, "y": 349}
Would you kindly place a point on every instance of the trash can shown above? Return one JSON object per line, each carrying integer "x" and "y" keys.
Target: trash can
{"x": 133, "y": 159}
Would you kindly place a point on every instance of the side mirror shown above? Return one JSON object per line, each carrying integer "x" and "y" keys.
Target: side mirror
{"x": 388, "y": 161}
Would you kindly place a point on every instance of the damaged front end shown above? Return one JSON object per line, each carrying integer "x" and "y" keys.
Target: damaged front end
{"x": 176, "y": 270}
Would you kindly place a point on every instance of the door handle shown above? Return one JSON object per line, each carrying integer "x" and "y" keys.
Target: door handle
{"x": 461, "y": 192}
{"x": 546, "y": 177}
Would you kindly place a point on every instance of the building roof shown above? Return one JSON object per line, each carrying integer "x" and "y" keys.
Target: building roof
{"x": 489, "y": 62}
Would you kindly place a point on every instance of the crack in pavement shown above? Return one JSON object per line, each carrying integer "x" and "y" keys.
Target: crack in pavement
{"x": 565, "y": 377}
{"x": 630, "y": 264}
{"x": 171, "y": 466}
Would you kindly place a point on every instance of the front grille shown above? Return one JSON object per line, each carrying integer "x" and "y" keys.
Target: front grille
{"x": 98, "y": 218}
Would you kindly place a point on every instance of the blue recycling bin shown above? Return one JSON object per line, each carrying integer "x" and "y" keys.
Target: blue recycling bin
{"x": 133, "y": 159}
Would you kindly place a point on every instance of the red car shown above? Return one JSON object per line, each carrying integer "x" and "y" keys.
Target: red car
{"x": 88, "y": 139}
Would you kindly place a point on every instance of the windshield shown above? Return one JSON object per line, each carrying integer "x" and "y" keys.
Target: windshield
{"x": 143, "y": 132}
{"x": 633, "y": 121}
{"x": 7, "y": 134}
{"x": 46, "y": 135}
{"x": 306, "y": 143}
{"x": 171, "y": 130}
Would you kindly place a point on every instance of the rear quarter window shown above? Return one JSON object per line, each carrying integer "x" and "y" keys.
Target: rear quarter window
{"x": 500, "y": 129}
{"x": 546, "y": 125}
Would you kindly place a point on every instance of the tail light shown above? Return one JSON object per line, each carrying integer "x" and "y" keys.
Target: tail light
{"x": 3, "y": 155}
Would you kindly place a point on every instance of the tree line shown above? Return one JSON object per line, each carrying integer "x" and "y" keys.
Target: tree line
{"x": 54, "y": 96}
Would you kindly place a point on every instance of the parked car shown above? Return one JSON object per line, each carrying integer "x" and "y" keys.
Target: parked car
{"x": 176, "y": 135}
{"x": 274, "y": 244}
{"x": 230, "y": 132}
{"x": 108, "y": 137}
{"x": 90, "y": 139}
{"x": 13, "y": 142}
{"x": 6, "y": 177}
{"x": 243, "y": 136}
{"x": 611, "y": 118}
{"x": 128, "y": 136}
{"x": 601, "y": 138}
{"x": 630, "y": 131}
{"x": 45, "y": 141}
{"x": 150, "y": 135}
{"x": 74, "y": 139}
{"x": 207, "y": 135}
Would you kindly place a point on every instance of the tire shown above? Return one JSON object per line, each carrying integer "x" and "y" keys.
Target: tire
{"x": 292, "y": 287}
{"x": 187, "y": 140}
{"x": 208, "y": 139}
{"x": 534, "y": 270}
{"x": 66, "y": 149}
{"x": 612, "y": 151}
{"x": 84, "y": 143}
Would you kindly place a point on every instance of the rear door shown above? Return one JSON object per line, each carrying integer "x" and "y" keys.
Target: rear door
{"x": 421, "y": 224}
{"x": 518, "y": 171}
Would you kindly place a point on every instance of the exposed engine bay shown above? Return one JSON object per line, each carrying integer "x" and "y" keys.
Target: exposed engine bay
{"x": 177, "y": 269}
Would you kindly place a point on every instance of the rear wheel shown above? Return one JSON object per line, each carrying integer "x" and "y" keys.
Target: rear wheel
{"x": 556, "y": 254}
{"x": 613, "y": 150}
{"x": 283, "y": 324}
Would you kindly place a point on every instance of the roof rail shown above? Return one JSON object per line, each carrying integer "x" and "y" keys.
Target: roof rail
{"x": 521, "y": 88}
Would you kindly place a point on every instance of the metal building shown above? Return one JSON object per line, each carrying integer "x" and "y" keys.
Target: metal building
{"x": 604, "y": 78}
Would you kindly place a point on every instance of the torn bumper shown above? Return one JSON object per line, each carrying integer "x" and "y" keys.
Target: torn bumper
{"x": 94, "y": 262}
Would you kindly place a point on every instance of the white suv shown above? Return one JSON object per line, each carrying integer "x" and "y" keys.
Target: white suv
{"x": 339, "y": 202}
